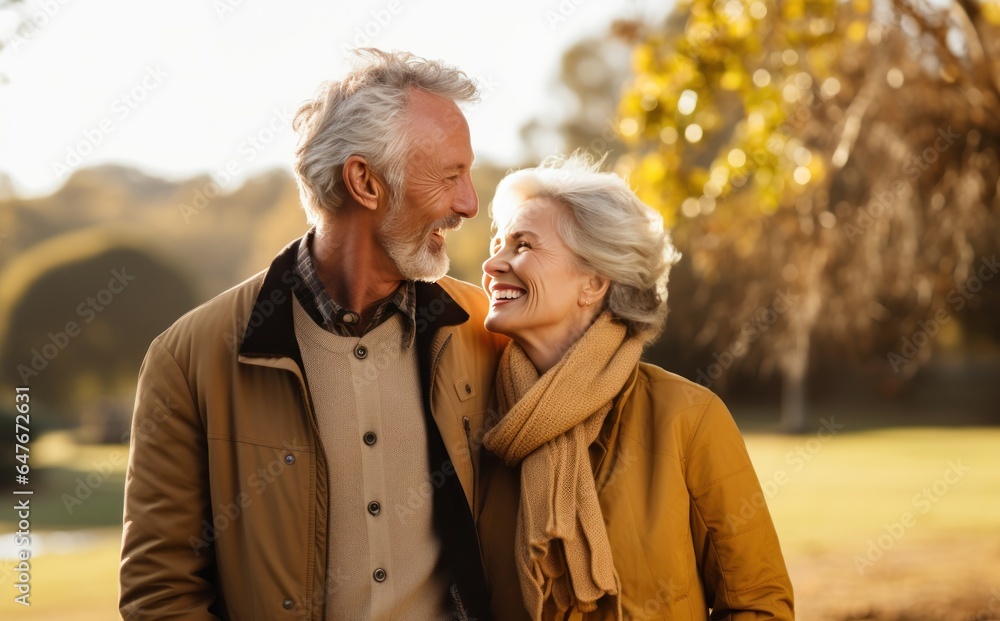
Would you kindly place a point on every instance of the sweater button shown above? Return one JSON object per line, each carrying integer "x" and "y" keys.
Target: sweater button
{"x": 361, "y": 352}
{"x": 370, "y": 438}
{"x": 287, "y": 603}
{"x": 379, "y": 575}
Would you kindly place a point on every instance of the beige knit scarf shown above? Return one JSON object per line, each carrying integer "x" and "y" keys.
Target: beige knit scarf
{"x": 562, "y": 551}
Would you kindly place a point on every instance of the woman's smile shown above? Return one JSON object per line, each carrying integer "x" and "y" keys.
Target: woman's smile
{"x": 501, "y": 294}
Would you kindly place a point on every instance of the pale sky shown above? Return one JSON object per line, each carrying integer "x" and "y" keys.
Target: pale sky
{"x": 186, "y": 86}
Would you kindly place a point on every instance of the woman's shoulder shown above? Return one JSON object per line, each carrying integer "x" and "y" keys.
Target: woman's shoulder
{"x": 672, "y": 392}
{"x": 666, "y": 405}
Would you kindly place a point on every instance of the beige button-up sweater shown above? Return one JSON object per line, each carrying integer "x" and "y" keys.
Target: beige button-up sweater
{"x": 383, "y": 558}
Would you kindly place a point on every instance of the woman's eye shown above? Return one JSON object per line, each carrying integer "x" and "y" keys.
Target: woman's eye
{"x": 523, "y": 246}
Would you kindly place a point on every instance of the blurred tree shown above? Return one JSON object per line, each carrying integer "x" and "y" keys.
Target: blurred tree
{"x": 591, "y": 77}
{"x": 830, "y": 168}
{"x": 282, "y": 222}
{"x": 220, "y": 234}
{"x": 77, "y": 314}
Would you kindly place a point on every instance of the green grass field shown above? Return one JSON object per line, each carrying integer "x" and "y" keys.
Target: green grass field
{"x": 829, "y": 499}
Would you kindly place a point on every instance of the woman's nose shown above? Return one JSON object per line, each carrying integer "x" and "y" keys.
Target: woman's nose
{"x": 495, "y": 265}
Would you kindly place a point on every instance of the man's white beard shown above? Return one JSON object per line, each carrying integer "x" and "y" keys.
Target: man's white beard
{"x": 411, "y": 250}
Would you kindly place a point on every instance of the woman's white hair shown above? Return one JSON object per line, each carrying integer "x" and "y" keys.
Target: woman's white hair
{"x": 365, "y": 114}
{"x": 612, "y": 233}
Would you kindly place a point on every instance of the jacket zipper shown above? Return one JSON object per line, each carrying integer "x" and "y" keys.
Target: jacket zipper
{"x": 461, "y": 612}
{"x": 475, "y": 482}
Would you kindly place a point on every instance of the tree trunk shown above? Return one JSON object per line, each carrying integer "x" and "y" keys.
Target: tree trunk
{"x": 793, "y": 401}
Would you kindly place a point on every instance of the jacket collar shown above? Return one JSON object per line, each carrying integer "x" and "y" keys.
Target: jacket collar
{"x": 270, "y": 330}
{"x": 608, "y": 437}
{"x": 616, "y": 411}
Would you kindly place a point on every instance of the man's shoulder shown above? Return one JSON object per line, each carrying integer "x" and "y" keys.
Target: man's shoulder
{"x": 476, "y": 303}
{"x": 469, "y": 296}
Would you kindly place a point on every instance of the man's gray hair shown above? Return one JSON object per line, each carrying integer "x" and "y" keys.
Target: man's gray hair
{"x": 612, "y": 233}
{"x": 365, "y": 114}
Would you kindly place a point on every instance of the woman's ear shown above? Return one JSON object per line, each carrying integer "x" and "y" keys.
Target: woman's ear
{"x": 363, "y": 185}
{"x": 594, "y": 289}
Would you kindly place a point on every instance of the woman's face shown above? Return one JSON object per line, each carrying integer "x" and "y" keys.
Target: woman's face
{"x": 537, "y": 293}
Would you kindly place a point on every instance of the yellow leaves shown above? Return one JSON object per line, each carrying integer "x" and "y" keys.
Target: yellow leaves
{"x": 817, "y": 170}
{"x": 681, "y": 71}
{"x": 687, "y": 102}
{"x": 740, "y": 28}
{"x": 700, "y": 33}
{"x": 821, "y": 58}
{"x": 643, "y": 57}
{"x": 768, "y": 203}
{"x": 761, "y": 78}
{"x": 724, "y": 79}
{"x": 693, "y": 133}
{"x": 857, "y": 31}
{"x": 653, "y": 178}
{"x": 651, "y": 168}
{"x": 630, "y": 106}
{"x": 991, "y": 11}
{"x": 733, "y": 79}
{"x": 650, "y": 85}
{"x": 709, "y": 119}
{"x": 793, "y": 9}
{"x": 628, "y": 127}
{"x": 648, "y": 177}
{"x": 819, "y": 26}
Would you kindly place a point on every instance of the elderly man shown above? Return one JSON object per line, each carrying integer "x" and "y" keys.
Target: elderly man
{"x": 304, "y": 445}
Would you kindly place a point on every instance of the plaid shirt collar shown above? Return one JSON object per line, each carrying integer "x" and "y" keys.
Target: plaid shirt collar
{"x": 331, "y": 316}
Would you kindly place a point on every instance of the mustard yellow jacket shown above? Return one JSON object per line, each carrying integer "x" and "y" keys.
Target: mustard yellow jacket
{"x": 673, "y": 477}
{"x": 226, "y": 494}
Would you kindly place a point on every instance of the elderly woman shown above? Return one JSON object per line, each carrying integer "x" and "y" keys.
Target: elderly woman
{"x": 611, "y": 489}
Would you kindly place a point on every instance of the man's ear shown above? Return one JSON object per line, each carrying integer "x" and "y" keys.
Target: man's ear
{"x": 363, "y": 185}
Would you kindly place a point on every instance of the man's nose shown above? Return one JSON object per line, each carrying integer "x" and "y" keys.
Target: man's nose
{"x": 467, "y": 201}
